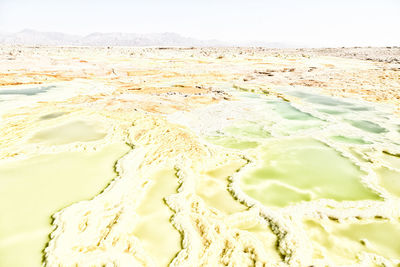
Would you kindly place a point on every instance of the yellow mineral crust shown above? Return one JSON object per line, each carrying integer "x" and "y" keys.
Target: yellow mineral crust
{"x": 177, "y": 133}
{"x": 108, "y": 228}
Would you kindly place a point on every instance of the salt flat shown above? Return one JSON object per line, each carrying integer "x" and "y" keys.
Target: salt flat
{"x": 118, "y": 156}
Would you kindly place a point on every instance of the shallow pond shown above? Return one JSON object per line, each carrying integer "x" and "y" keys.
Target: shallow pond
{"x": 26, "y": 91}
{"x": 342, "y": 243}
{"x": 33, "y": 189}
{"x": 73, "y": 131}
{"x": 295, "y": 170}
{"x": 157, "y": 235}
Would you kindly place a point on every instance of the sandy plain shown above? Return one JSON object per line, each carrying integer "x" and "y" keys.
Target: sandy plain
{"x": 117, "y": 156}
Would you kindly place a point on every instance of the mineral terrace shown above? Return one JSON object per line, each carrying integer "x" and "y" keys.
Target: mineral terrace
{"x": 118, "y": 156}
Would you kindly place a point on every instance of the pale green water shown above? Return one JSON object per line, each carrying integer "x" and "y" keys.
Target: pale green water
{"x": 361, "y": 108}
{"x": 74, "y": 131}
{"x": 319, "y": 99}
{"x": 157, "y": 235}
{"x": 332, "y": 111}
{"x": 213, "y": 185}
{"x": 367, "y": 126}
{"x": 212, "y": 188}
{"x": 350, "y": 140}
{"x": 292, "y": 170}
{"x": 390, "y": 180}
{"x": 287, "y": 111}
{"x": 232, "y": 142}
{"x": 252, "y": 130}
{"x": 303, "y": 170}
{"x": 341, "y": 242}
{"x": 240, "y": 136}
{"x": 298, "y": 169}
{"x": 33, "y": 189}
{"x": 287, "y": 129}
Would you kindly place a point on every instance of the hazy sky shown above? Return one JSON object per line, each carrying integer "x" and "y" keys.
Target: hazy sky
{"x": 311, "y": 22}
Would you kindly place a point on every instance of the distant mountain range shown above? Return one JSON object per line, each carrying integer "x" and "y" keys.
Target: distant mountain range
{"x": 32, "y": 37}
